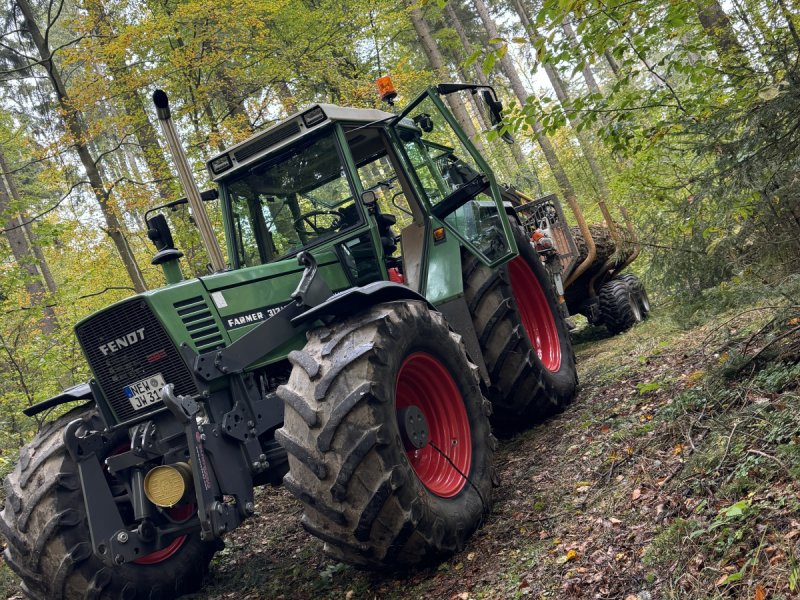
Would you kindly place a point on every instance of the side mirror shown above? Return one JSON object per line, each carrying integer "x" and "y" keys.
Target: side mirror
{"x": 424, "y": 122}
{"x": 495, "y": 109}
{"x": 369, "y": 198}
{"x": 167, "y": 256}
{"x": 159, "y": 233}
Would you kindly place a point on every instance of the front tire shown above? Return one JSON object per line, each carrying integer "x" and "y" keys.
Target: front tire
{"x": 374, "y": 498}
{"x": 524, "y": 340}
{"x": 49, "y": 546}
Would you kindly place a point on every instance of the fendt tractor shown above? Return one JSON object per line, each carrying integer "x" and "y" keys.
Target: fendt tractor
{"x": 381, "y": 302}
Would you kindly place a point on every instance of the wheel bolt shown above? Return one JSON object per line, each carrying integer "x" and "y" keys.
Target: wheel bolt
{"x": 122, "y": 537}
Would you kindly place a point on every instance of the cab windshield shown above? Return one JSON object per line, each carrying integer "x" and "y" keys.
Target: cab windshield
{"x": 297, "y": 198}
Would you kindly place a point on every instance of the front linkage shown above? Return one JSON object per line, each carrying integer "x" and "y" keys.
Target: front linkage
{"x": 223, "y": 449}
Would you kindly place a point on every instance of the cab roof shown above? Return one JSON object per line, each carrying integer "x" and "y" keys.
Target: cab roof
{"x": 285, "y": 132}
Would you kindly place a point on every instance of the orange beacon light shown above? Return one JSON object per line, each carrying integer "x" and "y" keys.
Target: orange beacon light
{"x": 386, "y": 89}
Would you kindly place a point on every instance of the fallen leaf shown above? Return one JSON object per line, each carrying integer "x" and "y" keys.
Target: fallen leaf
{"x": 760, "y": 594}
{"x": 471, "y": 556}
{"x": 570, "y": 555}
{"x": 636, "y": 494}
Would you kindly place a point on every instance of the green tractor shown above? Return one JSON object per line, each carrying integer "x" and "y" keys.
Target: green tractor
{"x": 381, "y": 303}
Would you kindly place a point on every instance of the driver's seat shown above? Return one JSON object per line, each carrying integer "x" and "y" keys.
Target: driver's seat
{"x": 388, "y": 235}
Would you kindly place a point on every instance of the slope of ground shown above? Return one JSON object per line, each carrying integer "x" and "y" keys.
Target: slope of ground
{"x": 673, "y": 475}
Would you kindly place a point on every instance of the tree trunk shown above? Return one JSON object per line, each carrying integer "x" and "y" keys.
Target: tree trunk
{"x": 560, "y": 89}
{"x": 437, "y": 63}
{"x": 286, "y": 97}
{"x": 41, "y": 262}
{"x": 528, "y": 171}
{"x": 75, "y": 127}
{"x": 612, "y": 62}
{"x": 522, "y": 94}
{"x": 588, "y": 76}
{"x": 25, "y": 258}
{"x": 718, "y": 26}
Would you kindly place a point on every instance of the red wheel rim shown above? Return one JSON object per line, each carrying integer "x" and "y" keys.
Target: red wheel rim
{"x": 424, "y": 382}
{"x": 177, "y": 513}
{"x": 534, "y": 312}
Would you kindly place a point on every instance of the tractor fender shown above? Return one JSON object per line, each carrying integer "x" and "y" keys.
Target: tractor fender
{"x": 356, "y": 299}
{"x": 353, "y": 300}
{"x": 82, "y": 391}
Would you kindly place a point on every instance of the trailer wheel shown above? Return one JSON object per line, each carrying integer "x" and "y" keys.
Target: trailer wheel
{"x": 388, "y": 437}
{"x": 639, "y": 293}
{"x": 619, "y": 308}
{"x": 524, "y": 339}
{"x": 49, "y": 546}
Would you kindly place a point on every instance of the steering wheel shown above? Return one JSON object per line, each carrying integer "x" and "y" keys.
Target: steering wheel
{"x": 310, "y": 219}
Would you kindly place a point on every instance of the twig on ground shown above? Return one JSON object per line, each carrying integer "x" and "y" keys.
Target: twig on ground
{"x": 681, "y": 464}
{"x": 769, "y": 456}
{"x": 785, "y": 334}
{"x": 727, "y": 447}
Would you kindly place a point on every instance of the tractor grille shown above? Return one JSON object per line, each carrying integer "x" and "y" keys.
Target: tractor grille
{"x": 200, "y": 324}
{"x": 146, "y": 349}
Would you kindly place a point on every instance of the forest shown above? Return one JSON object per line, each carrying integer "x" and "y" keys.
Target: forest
{"x": 685, "y": 114}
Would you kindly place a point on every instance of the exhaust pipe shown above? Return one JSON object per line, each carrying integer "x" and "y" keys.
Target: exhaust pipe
{"x": 187, "y": 181}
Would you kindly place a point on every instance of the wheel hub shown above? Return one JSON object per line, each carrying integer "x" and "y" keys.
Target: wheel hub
{"x": 413, "y": 426}
{"x": 433, "y": 423}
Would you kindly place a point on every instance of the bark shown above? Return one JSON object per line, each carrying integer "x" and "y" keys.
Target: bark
{"x": 560, "y": 88}
{"x": 528, "y": 171}
{"x": 522, "y": 94}
{"x": 437, "y": 63}
{"x": 718, "y": 27}
{"x": 588, "y": 76}
{"x": 41, "y": 262}
{"x": 24, "y": 256}
{"x": 286, "y": 97}
{"x": 76, "y": 129}
{"x": 612, "y": 62}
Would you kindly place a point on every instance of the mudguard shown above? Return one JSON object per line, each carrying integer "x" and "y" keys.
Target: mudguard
{"x": 82, "y": 391}
{"x": 353, "y": 300}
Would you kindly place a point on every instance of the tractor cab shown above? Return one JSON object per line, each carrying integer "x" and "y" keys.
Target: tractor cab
{"x": 376, "y": 191}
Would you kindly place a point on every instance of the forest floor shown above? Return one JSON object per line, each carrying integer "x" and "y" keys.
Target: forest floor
{"x": 674, "y": 474}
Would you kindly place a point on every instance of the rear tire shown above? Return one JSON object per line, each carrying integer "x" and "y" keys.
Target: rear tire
{"x": 49, "y": 546}
{"x": 524, "y": 340}
{"x": 366, "y": 495}
{"x": 619, "y": 309}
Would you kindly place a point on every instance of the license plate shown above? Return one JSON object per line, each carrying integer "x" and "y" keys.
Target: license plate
{"x": 145, "y": 392}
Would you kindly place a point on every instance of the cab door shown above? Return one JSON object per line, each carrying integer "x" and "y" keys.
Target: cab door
{"x": 453, "y": 179}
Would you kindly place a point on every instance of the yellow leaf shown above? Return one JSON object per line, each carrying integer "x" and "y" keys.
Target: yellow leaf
{"x": 570, "y": 555}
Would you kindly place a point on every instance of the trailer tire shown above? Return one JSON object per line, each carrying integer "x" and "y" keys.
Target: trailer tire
{"x": 371, "y": 497}
{"x": 639, "y": 293}
{"x": 619, "y": 308}
{"x": 523, "y": 337}
{"x": 49, "y": 546}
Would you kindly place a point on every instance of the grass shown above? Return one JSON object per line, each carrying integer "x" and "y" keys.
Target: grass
{"x": 674, "y": 474}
